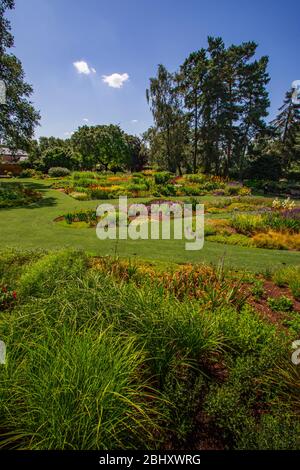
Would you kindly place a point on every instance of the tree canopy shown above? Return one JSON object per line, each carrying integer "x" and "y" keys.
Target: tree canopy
{"x": 18, "y": 117}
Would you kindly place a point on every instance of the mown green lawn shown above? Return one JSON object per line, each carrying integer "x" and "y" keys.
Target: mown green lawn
{"x": 34, "y": 228}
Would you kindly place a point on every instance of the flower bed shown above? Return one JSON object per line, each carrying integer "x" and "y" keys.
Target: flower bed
{"x": 278, "y": 228}
{"x": 91, "y": 185}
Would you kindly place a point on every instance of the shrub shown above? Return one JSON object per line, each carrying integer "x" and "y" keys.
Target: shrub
{"x": 212, "y": 185}
{"x": 27, "y": 173}
{"x": 247, "y": 224}
{"x": 57, "y": 172}
{"x": 232, "y": 190}
{"x": 280, "y": 304}
{"x": 194, "y": 178}
{"x": 265, "y": 167}
{"x": 79, "y": 196}
{"x": 191, "y": 191}
{"x": 100, "y": 193}
{"x": 81, "y": 175}
{"x": 288, "y": 221}
{"x": 290, "y": 277}
{"x": 257, "y": 289}
{"x": 234, "y": 239}
{"x": 282, "y": 277}
{"x": 244, "y": 191}
{"x": 293, "y": 324}
{"x": 81, "y": 216}
{"x": 162, "y": 177}
{"x": 294, "y": 285}
{"x": 167, "y": 190}
{"x": 277, "y": 240}
{"x": 137, "y": 187}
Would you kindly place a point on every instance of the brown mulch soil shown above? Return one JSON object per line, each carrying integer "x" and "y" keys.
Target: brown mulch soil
{"x": 262, "y": 307}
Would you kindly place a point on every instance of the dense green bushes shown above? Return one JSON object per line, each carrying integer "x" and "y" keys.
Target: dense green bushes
{"x": 58, "y": 171}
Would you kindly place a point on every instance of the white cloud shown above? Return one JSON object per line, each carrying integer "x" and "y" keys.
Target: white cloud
{"x": 85, "y": 120}
{"x": 82, "y": 67}
{"x": 134, "y": 121}
{"x": 115, "y": 80}
{"x": 68, "y": 134}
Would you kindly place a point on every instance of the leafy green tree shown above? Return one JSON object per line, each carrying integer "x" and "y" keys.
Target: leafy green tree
{"x": 154, "y": 143}
{"x": 191, "y": 79}
{"x": 60, "y": 157}
{"x": 103, "y": 146}
{"x": 38, "y": 147}
{"x": 166, "y": 106}
{"x": 18, "y": 117}
{"x": 46, "y": 143}
{"x": 137, "y": 153}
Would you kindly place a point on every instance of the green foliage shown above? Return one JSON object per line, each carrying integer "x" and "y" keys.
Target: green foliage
{"x": 280, "y": 304}
{"x": 13, "y": 262}
{"x": 162, "y": 177}
{"x": 167, "y": 190}
{"x": 293, "y": 323}
{"x": 191, "y": 191}
{"x": 80, "y": 196}
{"x": 48, "y": 274}
{"x": 282, "y": 222}
{"x": 88, "y": 216}
{"x": 265, "y": 167}
{"x": 18, "y": 117}
{"x": 59, "y": 157}
{"x": 230, "y": 79}
{"x": 195, "y": 178}
{"x": 234, "y": 239}
{"x": 294, "y": 285}
{"x": 57, "y": 172}
{"x": 15, "y": 194}
{"x": 79, "y": 176}
{"x": 80, "y": 391}
{"x": 248, "y": 224}
{"x": 290, "y": 277}
{"x": 104, "y": 146}
{"x": 93, "y": 362}
{"x": 244, "y": 331}
{"x": 257, "y": 289}
{"x": 27, "y": 173}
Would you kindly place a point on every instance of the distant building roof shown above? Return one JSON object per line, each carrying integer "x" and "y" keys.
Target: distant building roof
{"x": 5, "y": 151}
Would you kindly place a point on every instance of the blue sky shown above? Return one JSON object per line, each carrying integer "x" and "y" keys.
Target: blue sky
{"x": 129, "y": 38}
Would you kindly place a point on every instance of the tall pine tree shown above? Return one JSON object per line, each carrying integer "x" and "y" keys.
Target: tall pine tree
{"x": 287, "y": 124}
